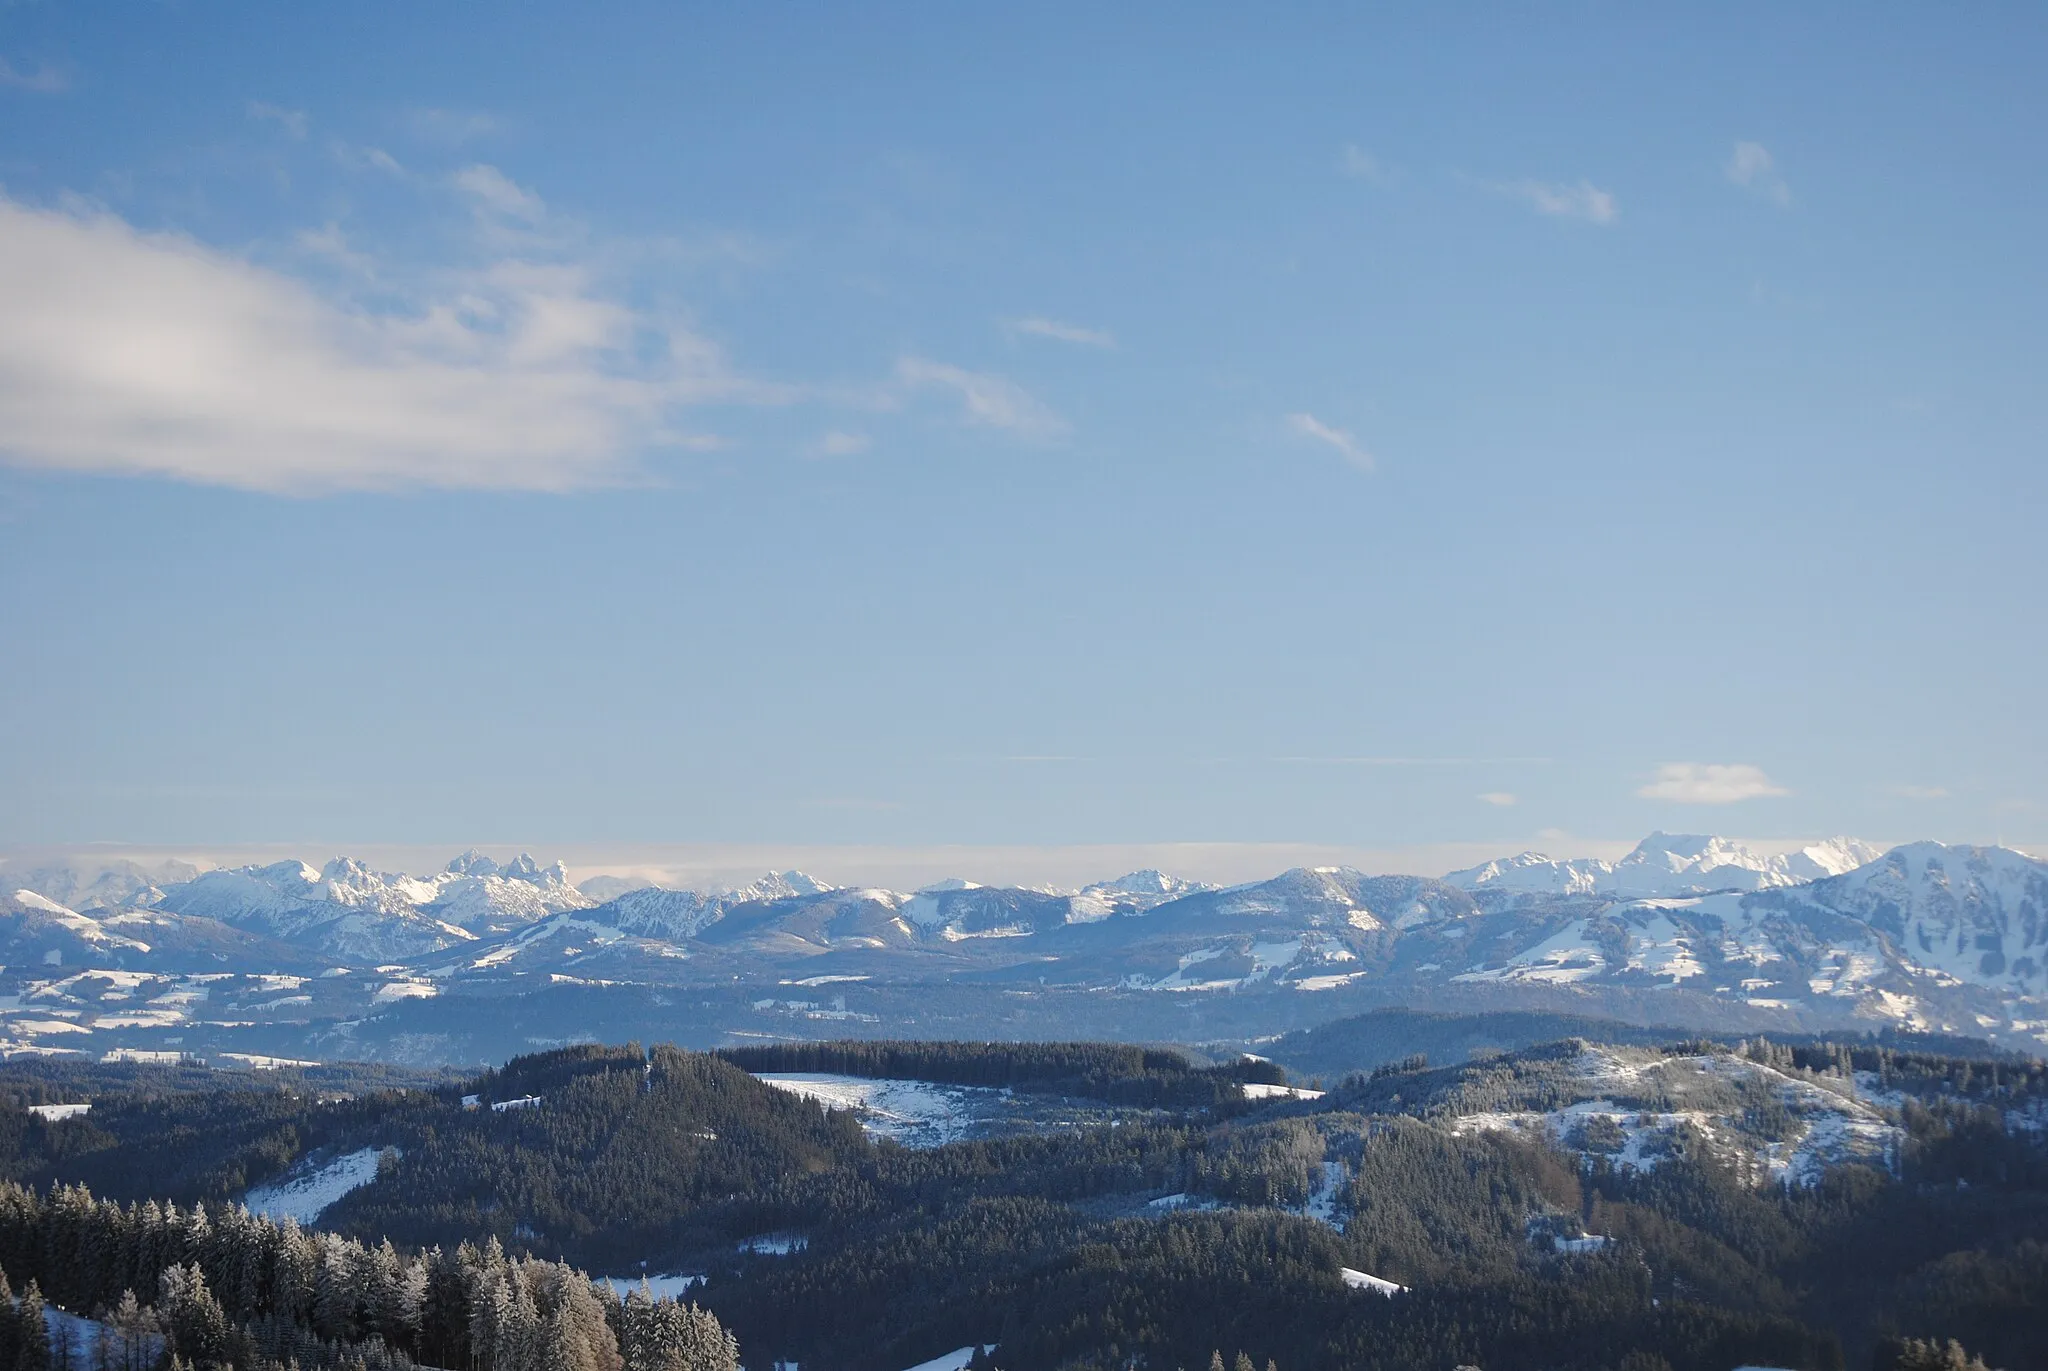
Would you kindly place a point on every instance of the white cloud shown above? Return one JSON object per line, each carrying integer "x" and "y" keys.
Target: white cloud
{"x": 1752, "y": 167}
{"x": 1584, "y": 201}
{"x": 1066, "y": 333}
{"x": 356, "y": 157}
{"x": 449, "y": 127}
{"x": 492, "y": 192}
{"x": 1500, "y": 799}
{"x": 330, "y": 243}
{"x": 839, "y": 444}
{"x": 1698, "y": 783}
{"x": 292, "y": 121}
{"x": 44, "y": 80}
{"x": 985, "y": 399}
{"x": 1308, "y": 426}
{"x": 130, "y": 352}
{"x": 1363, "y": 166}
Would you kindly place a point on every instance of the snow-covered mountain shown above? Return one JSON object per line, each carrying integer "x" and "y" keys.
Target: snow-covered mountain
{"x": 90, "y": 885}
{"x": 348, "y": 910}
{"x": 1976, "y": 915}
{"x": 1923, "y": 936}
{"x": 1667, "y": 864}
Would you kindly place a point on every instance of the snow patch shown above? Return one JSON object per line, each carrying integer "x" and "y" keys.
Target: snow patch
{"x": 305, "y": 1191}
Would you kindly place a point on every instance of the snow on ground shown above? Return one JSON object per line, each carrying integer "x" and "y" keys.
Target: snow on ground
{"x": 1169, "y": 1204}
{"x": 1825, "y": 1126}
{"x": 1259, "y": 1090}
{"x": 257, "y": 1062}
{"x": 955, "y": 1360}
{"x": 773, "y": 1244}
{"x": 1568, "y": 955}
{"x": 673, "y": 1286}
{"x": 54, "y": 1112}
{"x": 84, "y": 1335}
{"x": 1359, "y": 1280}
{"x": 914, "y": 1113}
{"x": 304, "y": 1191}
{"x": 1322, "y": 1201}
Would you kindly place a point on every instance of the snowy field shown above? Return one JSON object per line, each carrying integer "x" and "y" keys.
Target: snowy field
{"x": 925, "y": 1114}
{"x": 1259, "y": 1090}
{"x": 674, "y": 1286}
{"x": 304, "y": 1191}
{"x": 1359, "y": 1280}
{"x": 956, "y": 1360}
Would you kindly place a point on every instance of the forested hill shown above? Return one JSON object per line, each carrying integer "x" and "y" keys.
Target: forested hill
{"x": 1524, "y": 1235}
{"x": 1117, "y": 1073}
{"x": 1360, "y": 1042}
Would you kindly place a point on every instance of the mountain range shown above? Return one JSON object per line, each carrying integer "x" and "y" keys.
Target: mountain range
{"x": 1685, "y": 929}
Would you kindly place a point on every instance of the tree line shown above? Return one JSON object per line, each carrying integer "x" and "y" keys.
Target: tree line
{"x": 225, "y": 1288}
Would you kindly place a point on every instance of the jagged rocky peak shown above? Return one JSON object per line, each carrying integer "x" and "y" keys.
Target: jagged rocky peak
{"x": 1667, "y": 864}
{"x": 1146, "y": 882}
{"x": 472, "y": 863}
{"x": 783, "y": 885}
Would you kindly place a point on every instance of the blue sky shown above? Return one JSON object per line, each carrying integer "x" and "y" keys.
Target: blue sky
{"x": 935, "y": 425}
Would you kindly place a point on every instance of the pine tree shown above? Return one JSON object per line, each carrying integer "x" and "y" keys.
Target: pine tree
{"x": 197, "y": 1325}
{"x": 33, "y": 1338}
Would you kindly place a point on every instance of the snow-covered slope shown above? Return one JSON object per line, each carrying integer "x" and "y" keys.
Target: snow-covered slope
{"x": 1976, "y": 915}
{"x": 1638, "y": 1107}
{"x": 1326, "y": 896}
{"x": 310, "y": 1187}
{"x": 42, "y": 932}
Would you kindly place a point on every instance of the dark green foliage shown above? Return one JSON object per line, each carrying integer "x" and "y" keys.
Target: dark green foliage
{"x": 233, "y": 1290}
{"x": 1047, "y": 1244}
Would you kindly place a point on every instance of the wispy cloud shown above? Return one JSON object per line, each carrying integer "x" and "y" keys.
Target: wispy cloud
{"x": 142, "y": 353}
{"x": 357, "y": 156}
{"x": 1500, "y": 799}
{"x": 1752, "y": 167}
{"x": 331, "y": 244}
{"x": 841, "y": 444}
{"x": 1041, "y": 327}
{"x": 449, "y": 127}
{"x": 493, "y": 193}
{"x": 1584, "y": 201}
{"x": 1919, "y": 792}
{"x": 1699, "y": 783}
{"x": 44, "y": 80}
{"x": 986, "y": 400}
{"x": 292, "y": 121}
{"x": 1308, "y": 426}
{"x": 1416, "y": 761}
{"x": 1361, "y": 165}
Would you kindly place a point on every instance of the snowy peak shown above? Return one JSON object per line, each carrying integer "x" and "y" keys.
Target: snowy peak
{"x": 1146, "y": 882}
{"x": 351, "y": 909}
{"x": 1830, "y": 857}
{"x": 1667, "y": 864}
{"x": 1534, "y": 873}
{"x": 1976, "y": 914}
{"x": 472, "y": 863}
{"x": 781, "y": 885}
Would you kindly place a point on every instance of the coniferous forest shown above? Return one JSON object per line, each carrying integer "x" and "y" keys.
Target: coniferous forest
{"x": 1192, "y": 1222}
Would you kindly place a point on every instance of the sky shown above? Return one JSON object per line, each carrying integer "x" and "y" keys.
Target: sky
{"x": 951, "y": 427}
